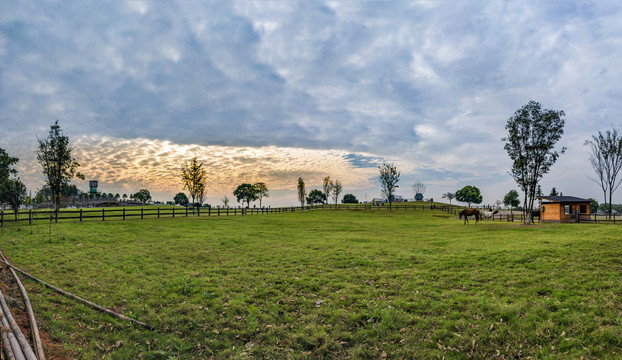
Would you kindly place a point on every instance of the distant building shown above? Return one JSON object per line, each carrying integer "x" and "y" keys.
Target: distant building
{"x": 93, "y": 187}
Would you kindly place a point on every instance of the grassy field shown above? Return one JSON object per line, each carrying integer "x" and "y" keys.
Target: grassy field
{"x": 327, "y": 284}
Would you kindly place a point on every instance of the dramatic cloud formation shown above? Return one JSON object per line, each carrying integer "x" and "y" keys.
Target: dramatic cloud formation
{"x": 426, "y": 84}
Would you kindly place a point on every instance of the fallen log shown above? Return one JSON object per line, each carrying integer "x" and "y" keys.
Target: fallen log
{"x": 23, "y": 342}
{"x": 91, "y": 304}
{"x": 31, "y": 315}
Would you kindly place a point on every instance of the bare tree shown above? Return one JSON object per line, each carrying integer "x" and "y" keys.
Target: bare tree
{"x": 389, "y": 177}
{"x": 337, "y": 188}
{"x": 606, "y": 158}
{"x": 225, "y": 201}
{"x": 418, "y": 188}
{"x": 449, "y": 196}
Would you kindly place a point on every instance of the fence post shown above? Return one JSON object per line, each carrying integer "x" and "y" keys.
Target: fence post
{"x": 158, "y": 212}
{"x": 1, "y": 218}
{"x": 30, "y": 217}
{"x": 123, "y": 213}
{"x": 103, "y": 214}
{"x": 219, "y": 211}
{"x": 186, "y": 210}
{"x": 199, "y": 211}
{"x": 80, "y": 214}
{"x": 56, "y": 215}
{"x": 173, "y": 211}
{"x": 141, "y": 214}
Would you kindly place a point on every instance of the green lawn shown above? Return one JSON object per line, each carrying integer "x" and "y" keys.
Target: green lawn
{"x": 327, "y": 284}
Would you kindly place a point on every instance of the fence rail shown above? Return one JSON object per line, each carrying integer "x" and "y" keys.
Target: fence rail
{"x": 103, "y": 214}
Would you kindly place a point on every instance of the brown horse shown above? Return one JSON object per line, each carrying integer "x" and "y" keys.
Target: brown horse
{"x": 470, "y": 212}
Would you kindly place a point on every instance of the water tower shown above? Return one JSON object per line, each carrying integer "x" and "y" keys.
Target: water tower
{"x": 93, "y": 187}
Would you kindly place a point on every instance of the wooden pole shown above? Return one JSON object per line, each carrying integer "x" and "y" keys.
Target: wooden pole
{"x": 98, "y": 307}
{"x": 23, "y": 342}
{"x": 36, "y": 339}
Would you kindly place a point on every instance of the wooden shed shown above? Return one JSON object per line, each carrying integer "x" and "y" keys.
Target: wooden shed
{"x": 564, "y": 209}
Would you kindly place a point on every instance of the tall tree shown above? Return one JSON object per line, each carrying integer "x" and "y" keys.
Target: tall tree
{"x": 449, "y": 196}
{"x": 389, "y": 177}
{"x": 469, "y": 194}
{"x": 6, "y": 171}
{"x": 302, "y": 193}
{"x": 337, "y": 188}
{"x": 327, "y": 185}
{"x": 606, "y": 158}
{"x": 554, "y": 192}
{"x": 59, "y": 166}
{"x": 245, "y": 192}
{"x": 511, "y": 200}
{"x": 532, "y": 135}
{"x": 261, "y": 191}
{"x": 193, "y": 176}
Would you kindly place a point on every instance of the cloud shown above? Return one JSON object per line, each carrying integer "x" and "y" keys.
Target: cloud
{"x": 426, "y": 84}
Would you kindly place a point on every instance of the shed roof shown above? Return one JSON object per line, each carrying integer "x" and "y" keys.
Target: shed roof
{"x": 563, "y": 199}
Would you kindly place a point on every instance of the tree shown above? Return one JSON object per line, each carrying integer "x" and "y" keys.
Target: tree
{"x": 449, "y": 196}
{"x": 593, "y": 205}
{"x": 389, "y": 177}
{"x": 418, "y": 188}
{"x": 511, "y": 200}
{"x": 606, "y": 158}
{"x": 59, "y": 166}
{"x": 302, "y": 192}
{"x": 180, "y": 199}
{"x": 225, "y": 201}
{"x": 316, "y": 197}
{"x": 532, "y": 135}
{"x": 15, "y": 193}
{"x": 124, "y": 197}
{"x": 337, "y": 188}
{"x": 539, "y": 191}
{"x": 553, "y": 192}
{"x": 349, "y": 199}
{"x": 327, "y": 185}
{"x": 245, "y": 192}
{"x": 6, "y": 171}
{"x": 261, "y": 191}
{"x": 194, "y": 177}
{"x": 143, "y": 195}
{"x": 469, "y": 194}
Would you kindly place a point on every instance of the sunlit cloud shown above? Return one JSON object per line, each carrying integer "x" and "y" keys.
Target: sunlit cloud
{"x": 156, "y": 165}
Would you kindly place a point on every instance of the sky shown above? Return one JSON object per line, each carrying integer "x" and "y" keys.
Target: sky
{"x": 275, "y": 90}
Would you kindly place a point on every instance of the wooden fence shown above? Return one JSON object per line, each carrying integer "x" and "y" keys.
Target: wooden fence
{"x": 103, "y": 214}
